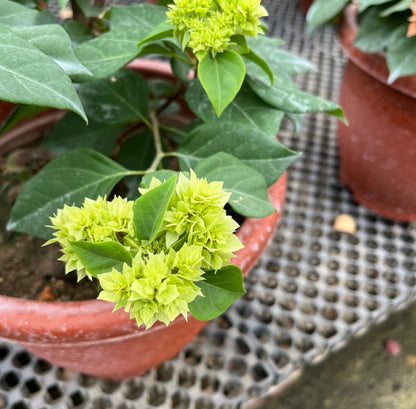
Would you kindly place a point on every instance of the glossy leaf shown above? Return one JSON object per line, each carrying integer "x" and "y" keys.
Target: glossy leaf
{"x": 221, "y": 78}
{"x": 247, "y": 108}
{"x": 247, "y": 186}
{"x": 220, "y": 290}
{"x": 14, "y": 14}
{"x": 30, "y": 77}
{"x": 71, "y": 133}
{"x": 149, "y": 210}
{"x": 401, "y": 55}
{"x": 98, "y": 258}
{"x": 122, "y": 98}
{"x": 254, "y": 148}
{"x": 54, "y": 41}
{"x": 323, "y": 11}
{"x": 68, "y": 179}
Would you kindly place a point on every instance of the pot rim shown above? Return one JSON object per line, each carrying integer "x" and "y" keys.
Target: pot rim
{"x": 69, "y": 322}
{"x": 373, "y": 64}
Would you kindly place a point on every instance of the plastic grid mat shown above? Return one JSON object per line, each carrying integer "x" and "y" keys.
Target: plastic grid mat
{"x": 312, "y": 290}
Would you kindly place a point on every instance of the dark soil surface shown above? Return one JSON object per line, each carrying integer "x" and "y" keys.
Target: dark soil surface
{"x": 28, "y": 270}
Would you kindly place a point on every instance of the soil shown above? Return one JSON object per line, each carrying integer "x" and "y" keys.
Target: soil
{"x": 28, "y": 270}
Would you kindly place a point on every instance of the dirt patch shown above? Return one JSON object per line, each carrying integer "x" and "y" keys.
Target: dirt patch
{"x": 28, "y": 270}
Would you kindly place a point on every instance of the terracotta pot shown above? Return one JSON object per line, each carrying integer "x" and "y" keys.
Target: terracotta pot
{"x": 378, "y": 148}
{"x": 304, "y": 5}
{"x": 86, "y": 336}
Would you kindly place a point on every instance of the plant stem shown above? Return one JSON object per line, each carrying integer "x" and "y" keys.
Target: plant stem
{"x": 158, "y": 143}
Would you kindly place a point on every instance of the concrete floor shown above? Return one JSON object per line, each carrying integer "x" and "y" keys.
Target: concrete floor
{"x": 364, "y": 375}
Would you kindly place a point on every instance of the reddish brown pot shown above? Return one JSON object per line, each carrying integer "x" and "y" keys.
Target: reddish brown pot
{"x": 304, "y": 5}
{"x": 378, "y": 148}
{"x": 86, "y": 336}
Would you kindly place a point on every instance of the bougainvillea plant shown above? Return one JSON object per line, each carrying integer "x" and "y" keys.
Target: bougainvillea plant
{"x": 387, "y": 26}
{"x": 165, "y": 248}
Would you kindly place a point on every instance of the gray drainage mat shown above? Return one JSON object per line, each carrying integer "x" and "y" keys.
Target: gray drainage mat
{"x": 313, "y": 289}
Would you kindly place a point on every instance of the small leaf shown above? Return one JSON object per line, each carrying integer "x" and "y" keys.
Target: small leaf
{"x": 402, "y": 5}
{"x": 323, "y": 11}
{"x": 62, "y": 3}
{"x": 68, "y": 179}
{"x": 161, "y": 31}
{"x": 98, "y": 258}
{"x": 77, "y": 32}
{"x": 162, "y": 175}
{"x": 149, "y": 210}
{"x": 365, "y": 4}
{"x": 254, "y": 58}
{"x": 247, "y": 186}
{"x": 89, "y": 8}
{"x": 120, "y": 99}
{"x": 71, "y": 132}
{"x": 28, "y": 76}
{"x": 19, "y": 113}
{"x": 221, "y": 77}
{"x": 220, "y": 290}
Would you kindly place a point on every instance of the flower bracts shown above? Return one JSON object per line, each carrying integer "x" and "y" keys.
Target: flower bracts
{"x": 154, "y": 277}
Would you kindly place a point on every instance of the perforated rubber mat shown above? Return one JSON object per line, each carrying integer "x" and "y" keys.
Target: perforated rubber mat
{"x": 313, "y": 289}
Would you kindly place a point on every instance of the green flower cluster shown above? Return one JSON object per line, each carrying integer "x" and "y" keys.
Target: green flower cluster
{"x": 96, "y": 221}
{"x": 208, "y": 25}
{"x": 196, "y": 236}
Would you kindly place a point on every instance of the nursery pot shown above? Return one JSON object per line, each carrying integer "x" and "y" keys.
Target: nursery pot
{"x": 86, "y": 336}
{"x": 378, "y": 147}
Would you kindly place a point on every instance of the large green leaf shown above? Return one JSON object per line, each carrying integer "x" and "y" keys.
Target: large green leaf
{"x": 285, "y": 96}
{"x": 149, "y": 210}
{"x": 221, "y": 77}
{"x": 220, "y": 289}
{"x": 122, "y": 98}
{"x": 14, "y": 14}
{"x": 322, "y": 11}
{"x": 108, "y": 53}
{"x": 54, "y": 41}
{"x": 247, "y": 108}
{"x": 374, "y": 32}
{"x": 98, "y": 258}
{"x": 30, "y": 77}
{"x": 401, "y": 55}
{"x": 68, "y": 179}
{"x": 247, "y": 186}
{"x": 71, "y": 132}
{"x": 76, "y": 31}
{"x": 244, "y": 142}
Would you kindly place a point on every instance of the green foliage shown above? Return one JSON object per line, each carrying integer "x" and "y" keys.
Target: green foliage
{"x": 168, "y": 251}
{"x": 383, "y": 26}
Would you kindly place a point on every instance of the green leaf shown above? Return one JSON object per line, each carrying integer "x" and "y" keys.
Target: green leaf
{"x": 142, "y": 18}
{"x": 220, "y": 290}
{"x": 108, "y": 53}
{"x": 296, "y": 119}
{"x": 30, "y": 77}
{"x": 286, "y": 97}
{"x": 14, "y": 15}
{"x": 18, "y": 114}
{"x": 401, "y": 55}
{"x": 247, "y": 108}
{"x": 45, "y": 17}
{"x": 161, "y": 31}
{"x": 239, "y": 44}
{"x": 374, "y": 32}
{"x": 149, "y": 210}
{"x": 98, "y": 258}
{"x": 71, "y": 132}
{"x": 76, "y": 31}
{"x": 180, "y": 69}
{"x": 62, "y": 3}
{"x": 402, "y": 5}
{"x": 68, "y": 179}
{"x": 54, "y": 41}
{"x": 221, "y": 77}
{"x": 89, "y": 8}
{"x": 122, "y": 98}
{"x": 323, "y": 11}
{"x": 262, "y": 64}
{"x": 254, "y": 148}
{"x": 247, "y": 186}
{"x": 364, "y": 4}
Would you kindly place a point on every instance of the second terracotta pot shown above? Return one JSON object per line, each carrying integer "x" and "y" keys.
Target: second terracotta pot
{"x": 378, "y": 147}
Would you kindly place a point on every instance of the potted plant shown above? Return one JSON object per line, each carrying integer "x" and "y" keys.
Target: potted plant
{"x": 378, "y": 90}
{"x": 179, "y": 142}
